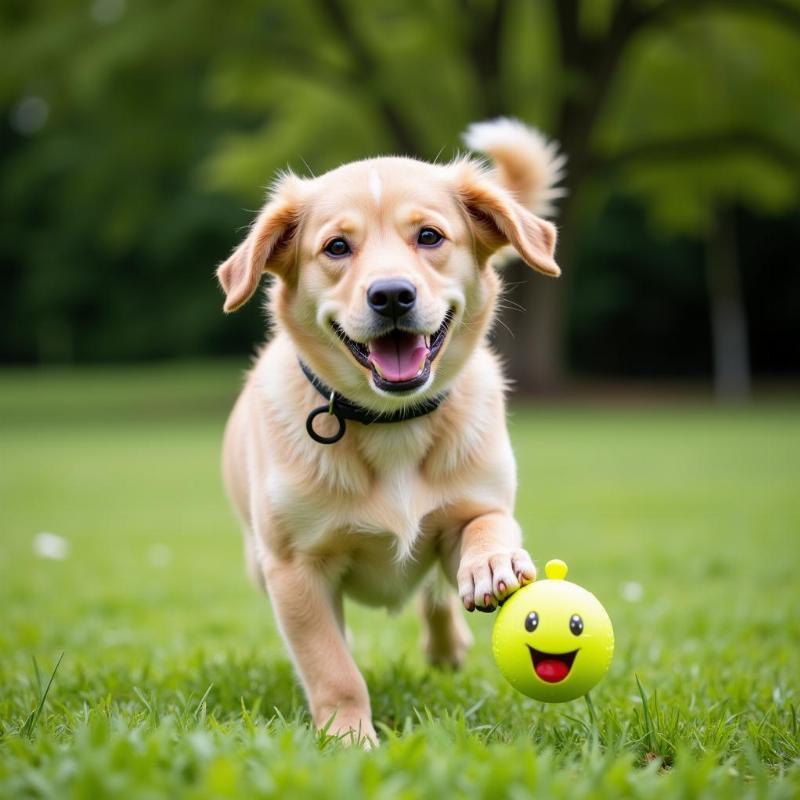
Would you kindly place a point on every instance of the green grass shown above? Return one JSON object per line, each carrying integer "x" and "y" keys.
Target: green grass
{"x": 174, "y": 682}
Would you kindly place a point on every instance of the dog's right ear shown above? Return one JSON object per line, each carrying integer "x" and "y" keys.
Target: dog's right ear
{"x": 267, "y": 247}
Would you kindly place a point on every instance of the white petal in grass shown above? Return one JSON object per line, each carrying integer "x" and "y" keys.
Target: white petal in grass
{"x": 631, "y": 591}
{"x": 50, "y": 545}
{"x": 160, "y": 556}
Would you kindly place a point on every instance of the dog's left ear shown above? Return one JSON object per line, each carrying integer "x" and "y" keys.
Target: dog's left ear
{"x": 499, "y": 220}
{"x": 266, "y": 248}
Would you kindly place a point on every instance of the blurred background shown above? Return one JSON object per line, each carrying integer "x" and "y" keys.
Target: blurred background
{"x": 137, "y": 138}
{"x": 655, "y": 417}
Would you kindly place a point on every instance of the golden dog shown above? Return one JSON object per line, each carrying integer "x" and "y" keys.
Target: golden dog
{"x": 381, "y": 304}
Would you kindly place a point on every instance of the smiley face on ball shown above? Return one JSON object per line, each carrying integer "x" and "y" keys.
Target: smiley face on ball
{"x": 552, "y": 665}
{"x": 553, "y": 640}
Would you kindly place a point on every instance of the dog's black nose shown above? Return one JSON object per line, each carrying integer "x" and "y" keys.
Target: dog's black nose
{"x": 392, "y": 297}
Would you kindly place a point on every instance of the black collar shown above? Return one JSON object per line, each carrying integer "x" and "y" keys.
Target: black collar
{"x": 343, "y": 409}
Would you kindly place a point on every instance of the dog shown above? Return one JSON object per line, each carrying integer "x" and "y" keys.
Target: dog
{"x": 367, "y": 454}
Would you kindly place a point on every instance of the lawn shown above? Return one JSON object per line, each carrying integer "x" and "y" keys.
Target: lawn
{"x": 682, "y": 517}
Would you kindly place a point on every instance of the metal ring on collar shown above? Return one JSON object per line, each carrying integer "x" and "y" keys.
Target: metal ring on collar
{"x": 326, "y": 409}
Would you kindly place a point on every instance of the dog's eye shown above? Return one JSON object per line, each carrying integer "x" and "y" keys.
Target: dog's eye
{"x": 429, "y": 237}
{"x": 531, "y": 622}
{"x": 336, "y": 248}
{"x": 576, "y": 625}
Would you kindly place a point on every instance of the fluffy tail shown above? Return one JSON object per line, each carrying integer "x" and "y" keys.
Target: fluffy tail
{"x": 525, "y": 162}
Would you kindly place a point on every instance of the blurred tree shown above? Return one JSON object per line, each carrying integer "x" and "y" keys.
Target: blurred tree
{"x": 728, "y": 316}
{"x": 704, "y": 122}
{"x": 691, "y": 105}
{"x": 130, "y": 125}
{"x": 107, "y": 244}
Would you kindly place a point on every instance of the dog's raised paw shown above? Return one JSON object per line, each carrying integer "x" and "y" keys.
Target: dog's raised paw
{"x": 486, "y": 579}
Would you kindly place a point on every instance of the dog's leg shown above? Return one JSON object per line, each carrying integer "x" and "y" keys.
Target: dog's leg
{"x": 307, "y": 609}
{"x": 491, "y": 562}
{"x": 446, "y": 637}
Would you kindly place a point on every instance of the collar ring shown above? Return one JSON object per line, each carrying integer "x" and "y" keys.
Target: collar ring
{"x": 328, "y": 409}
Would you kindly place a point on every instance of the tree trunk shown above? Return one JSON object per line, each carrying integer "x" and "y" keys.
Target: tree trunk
{"x": 531, "y": 330}
{"x": 538, "y": 360}
{"x": 731, "y": 357}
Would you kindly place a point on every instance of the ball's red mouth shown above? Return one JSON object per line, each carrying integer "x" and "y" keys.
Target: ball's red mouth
{"x": 551, "y": 667}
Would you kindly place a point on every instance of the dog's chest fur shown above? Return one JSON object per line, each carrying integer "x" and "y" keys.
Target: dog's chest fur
{"x": 371, "y": 512}
{"x": 369, "y": 509}
{"x": 376, "y": 487}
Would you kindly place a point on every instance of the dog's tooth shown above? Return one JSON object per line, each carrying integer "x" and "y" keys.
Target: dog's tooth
{"x": 377, "y": 368}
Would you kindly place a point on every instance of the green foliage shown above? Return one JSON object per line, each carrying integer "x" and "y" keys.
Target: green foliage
{"x": 705, "y": 113}
{"x": 110, "y": 242}
{"x": 155, "y": 128}
{"x": 174, "y": 681}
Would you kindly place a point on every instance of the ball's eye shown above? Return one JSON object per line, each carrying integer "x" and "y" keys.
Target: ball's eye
{"x": 576, "y": 625}
{"x": 429, "y": 237}
{"x": 531, "y": 622}
{"x": 338, "y": 247}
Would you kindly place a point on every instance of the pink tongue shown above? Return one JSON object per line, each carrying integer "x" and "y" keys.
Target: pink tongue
{"x": 552, "y": 670}
{"x": 399, "y": 356}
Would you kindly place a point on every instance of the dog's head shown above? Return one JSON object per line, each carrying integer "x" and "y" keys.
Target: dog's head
{"x": 382, "y": 277}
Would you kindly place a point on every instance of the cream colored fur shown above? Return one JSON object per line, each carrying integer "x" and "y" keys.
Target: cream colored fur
{"x": 526, "y": 163}
{"x": 377, "y": 514}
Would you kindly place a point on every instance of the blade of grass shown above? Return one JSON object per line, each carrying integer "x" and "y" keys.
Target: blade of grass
{"x": 201, "y": 705}
{"x": 38, "y": 675}
{"x": 151, "y": 710}
{"x": 595, "y": 729}
{"x": 648, "y": 720}
{"x": 33, "y": 717}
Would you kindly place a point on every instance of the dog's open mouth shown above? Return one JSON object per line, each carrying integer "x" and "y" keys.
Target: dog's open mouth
{"x": 552, "y": 667}
{"x": 400, "y": 360}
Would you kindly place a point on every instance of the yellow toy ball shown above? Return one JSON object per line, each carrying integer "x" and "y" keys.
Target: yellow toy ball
{"x": 553, "y": 640}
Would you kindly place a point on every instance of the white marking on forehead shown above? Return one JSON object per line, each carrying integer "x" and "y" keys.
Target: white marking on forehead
{"x": 375, "y": 184}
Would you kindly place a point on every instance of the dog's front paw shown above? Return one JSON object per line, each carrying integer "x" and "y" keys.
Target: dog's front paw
{"x": 486, "y": 579}
{"x": 351, "y": 727}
